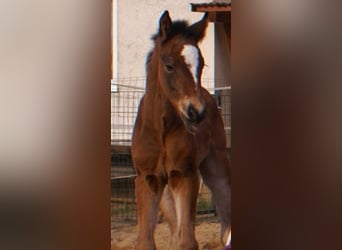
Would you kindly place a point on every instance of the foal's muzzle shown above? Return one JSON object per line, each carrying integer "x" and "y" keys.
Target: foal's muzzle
{"x": 195, "y": 116}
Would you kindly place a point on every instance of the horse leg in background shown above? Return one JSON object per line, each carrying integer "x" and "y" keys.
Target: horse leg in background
{"x": 215, "y": 174}
{"x": 184, "y": 188}
{"x": 167, "y": 206}
{"x": 148, "y": 190}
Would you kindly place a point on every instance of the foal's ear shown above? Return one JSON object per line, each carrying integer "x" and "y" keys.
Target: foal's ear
{"x": 164, "y": 25}
{"x": 198, "y": 29}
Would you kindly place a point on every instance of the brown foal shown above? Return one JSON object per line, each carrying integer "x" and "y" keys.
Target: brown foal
{"x": 178, "y": 134}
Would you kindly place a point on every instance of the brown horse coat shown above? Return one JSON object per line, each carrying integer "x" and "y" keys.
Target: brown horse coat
{"x": 178, "y": 134}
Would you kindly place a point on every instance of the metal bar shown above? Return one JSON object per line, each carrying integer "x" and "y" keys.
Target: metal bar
{"x": 220, "y": 88}
{"x": 123, "y": 177}
{"x": 128, "y": 86}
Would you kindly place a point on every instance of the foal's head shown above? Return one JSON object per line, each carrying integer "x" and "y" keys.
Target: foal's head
{"x": 180, "y": 65}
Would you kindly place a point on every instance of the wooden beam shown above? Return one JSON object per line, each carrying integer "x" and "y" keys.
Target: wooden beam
{"x": 195, "y": 8}
{"x": 223, "y": 17}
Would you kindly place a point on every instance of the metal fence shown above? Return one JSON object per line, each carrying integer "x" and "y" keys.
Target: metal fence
{"x": 125, "y": 102}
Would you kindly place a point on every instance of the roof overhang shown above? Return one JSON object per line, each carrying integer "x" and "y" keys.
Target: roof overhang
{"x": 211, "y": 7}
{"x": 218, "y": 12}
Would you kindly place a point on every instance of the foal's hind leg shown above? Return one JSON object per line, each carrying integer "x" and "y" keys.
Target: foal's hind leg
{"x": 216, "y": 175}
{"x": 148, "y": 190}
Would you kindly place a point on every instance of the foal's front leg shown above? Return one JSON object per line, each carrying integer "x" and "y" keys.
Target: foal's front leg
{"x": 148, "y": 190}
{"x": 167, "y": 206}
{"x": 184, "y": 188}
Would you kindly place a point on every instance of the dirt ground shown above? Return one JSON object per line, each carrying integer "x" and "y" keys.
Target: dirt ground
{"x": 207, "y": 235}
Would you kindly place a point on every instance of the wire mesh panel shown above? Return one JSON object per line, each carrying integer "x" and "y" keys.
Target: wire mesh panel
{"x": 125, "y": 99}
{"x": 124, "y": 108}
{"x": 122, "y": 201}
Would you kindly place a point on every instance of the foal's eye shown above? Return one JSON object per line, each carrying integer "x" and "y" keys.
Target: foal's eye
{"x": 169, "y": 68}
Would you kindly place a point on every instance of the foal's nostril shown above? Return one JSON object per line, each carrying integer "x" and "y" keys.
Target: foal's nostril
{"x": 194, "y": 115}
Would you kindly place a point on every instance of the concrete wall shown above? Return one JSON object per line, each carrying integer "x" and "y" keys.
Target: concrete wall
{"x": 134, "y": 21}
